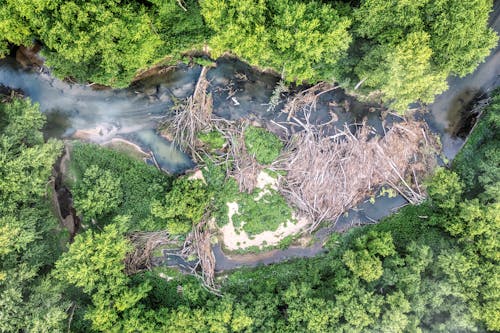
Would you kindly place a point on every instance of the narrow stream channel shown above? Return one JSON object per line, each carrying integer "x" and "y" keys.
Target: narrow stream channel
{"x": 238, "y": 91}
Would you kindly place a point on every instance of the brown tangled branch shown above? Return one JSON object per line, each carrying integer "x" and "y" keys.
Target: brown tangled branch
{"x": 245, "y": 168}
{"x": 206, "y": 257}
{"x": 144, "y": 243}
{"x": 306, "y": 99}
{"x": 198, "y": 243}
{"x": 192, "y": 118}
{"x": 239, "y": 163}
{"x": 327, "y": 175}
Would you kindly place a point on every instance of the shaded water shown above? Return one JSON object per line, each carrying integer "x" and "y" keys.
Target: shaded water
{"x": 448, "y": 109}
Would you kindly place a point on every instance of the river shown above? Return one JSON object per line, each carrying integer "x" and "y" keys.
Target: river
{"x": 238, "y": 91}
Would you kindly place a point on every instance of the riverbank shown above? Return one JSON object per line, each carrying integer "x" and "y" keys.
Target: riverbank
{"x": 82, "y": 106}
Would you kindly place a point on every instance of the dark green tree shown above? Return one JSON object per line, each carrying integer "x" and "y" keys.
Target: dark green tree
{"x": 29, "y": 233}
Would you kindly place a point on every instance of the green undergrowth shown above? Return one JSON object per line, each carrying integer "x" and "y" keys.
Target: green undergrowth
{"x": 264, "y": 145}
{"x": 213, "y": 139}
{"x": 131, "y": 184}
{"x": 183, "y": 206}
{"x": 254, "y": 216}
{"x": 265, "y": 214}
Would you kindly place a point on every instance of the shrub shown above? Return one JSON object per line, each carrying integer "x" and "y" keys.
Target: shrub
{"x": 184, "y": 205}
{"x": 98, "y": 192}
{"x": 139, "y": 183}
{"x": 213, "y": 139}
{"x": 264, "y": 145}
{"x": 265, "y": 214}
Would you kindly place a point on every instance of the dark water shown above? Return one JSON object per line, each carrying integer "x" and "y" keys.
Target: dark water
{"x": 449, "y": 107}
{"x": 238, "y": 91}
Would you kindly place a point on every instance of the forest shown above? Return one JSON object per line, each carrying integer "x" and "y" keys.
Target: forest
{"x": 433, "y": 266}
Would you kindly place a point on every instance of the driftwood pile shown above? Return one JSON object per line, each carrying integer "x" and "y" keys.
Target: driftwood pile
{"x": 206, "y": 259}
{"x": 197, "y": 243}
{"x": 194, "y": 117}
{"x": 306, "y": 99}
{"x": 244, "y": 167}
{"x": 326, "y": 176}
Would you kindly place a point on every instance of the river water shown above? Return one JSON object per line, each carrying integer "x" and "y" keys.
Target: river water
{"x": 238, "y": 91}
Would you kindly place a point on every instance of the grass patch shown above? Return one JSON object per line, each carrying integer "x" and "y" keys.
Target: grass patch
{"x": 286, "y": 242}
{"x": 213, "y": 139}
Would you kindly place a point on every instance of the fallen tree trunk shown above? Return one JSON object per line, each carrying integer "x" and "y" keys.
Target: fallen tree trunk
{"x": 194, "y": 117}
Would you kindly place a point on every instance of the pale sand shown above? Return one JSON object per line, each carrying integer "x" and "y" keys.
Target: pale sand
{"x": 198, "y": 174}
{"x": 126, "y": 142}
{"x": 234, "y": 241}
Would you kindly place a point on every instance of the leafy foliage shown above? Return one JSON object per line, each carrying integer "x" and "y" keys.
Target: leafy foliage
{"x": 402, "y": 48}
{"x": 110, "y": 183}
{"x": 184, "y": 205}
{"x": 257, "y": 211}
{"x": 364, "y": 261}
{"x": 28, "y": 230}
{"x": 262, "y": 144}
{"x": 407, "y": 49}
{"x": 213, "y": 139}
{"x": 106, "y": 42}
{"x": 264, "y": 214}
{"x": 432, "y": 267}
{"x": 403, "y": 72}
{"x": 98, "y": 193}
{"x": 302, "y": 40}
{"x": 94, "y": 263}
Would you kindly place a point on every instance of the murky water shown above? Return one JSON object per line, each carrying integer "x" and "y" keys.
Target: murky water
{"x": 105, "y": 114}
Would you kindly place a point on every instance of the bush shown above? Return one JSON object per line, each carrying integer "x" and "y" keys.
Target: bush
{"x": 98, "y": 193}
{"x": 445, "y": 189}
{"x": 213, "y": 139}
{"x": 184, "y": 205}
{"x": 265, "y": 214}
{"x": 264, "y": 145}
{"x": 140, "y": 184}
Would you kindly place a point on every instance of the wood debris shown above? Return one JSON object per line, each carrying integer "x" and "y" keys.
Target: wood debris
{"x": 144, "y": 243}
{"x": 192, "y": 118}
{"x": 327, "y": 175}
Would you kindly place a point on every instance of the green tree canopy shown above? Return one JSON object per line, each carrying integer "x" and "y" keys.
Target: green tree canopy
{"x": 408, "y": 48}
{"x": 302, "y": 40}
{"x": 184, "y": 206}
{"x": 98, "y": 192}
{"x": 29, "y": 235}
{"x": 106, "y": 42}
